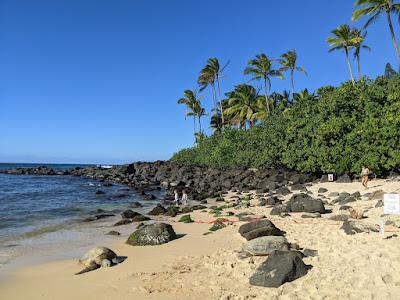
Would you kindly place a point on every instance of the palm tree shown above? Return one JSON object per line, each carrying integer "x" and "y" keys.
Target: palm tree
{"x": 304, "y": 95}
{"x": 200, "y": 112}
{"x": 242, "y": 101}
{"x": 288, "y": 61}
{"x": 281, "y": 101}
{"x": 261, "y": 110}
{"x": 374, "y": 9}
{"x": 359, "y": 39}
{"x": 261, "y": 68}
{"x": 192, "y": 102}
{"x": 210, "y": 75}
{"x": 216, "y": 123}
{"x": 343, "y": 39}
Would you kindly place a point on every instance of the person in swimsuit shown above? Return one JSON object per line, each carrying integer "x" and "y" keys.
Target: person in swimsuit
{"x": 364, "y": 176}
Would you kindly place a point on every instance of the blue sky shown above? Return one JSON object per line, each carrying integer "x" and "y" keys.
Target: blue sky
{"x": 97, "y": 81}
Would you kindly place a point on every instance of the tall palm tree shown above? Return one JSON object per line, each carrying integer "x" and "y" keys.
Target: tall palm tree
{"x": 261, "y": 68}
{"x": 242, "y": 101}
{"x": 191, "y": 101}
{"x": 374, "y": 9}
{"x": 210, "y": 75}
{"x": 359, "y": 39}
{"x": 288, "y": 61}
{"x": 200, "y": 112}
{"x": 343, "y": 39}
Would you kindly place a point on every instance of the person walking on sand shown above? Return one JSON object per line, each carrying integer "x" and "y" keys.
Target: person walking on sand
{"x": 184, "y": 198}
{"x": 364, "y": 176}
{"x": 176, "y": 197}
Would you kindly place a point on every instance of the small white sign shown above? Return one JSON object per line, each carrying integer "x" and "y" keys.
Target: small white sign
{"x": 391, "y": 204}
{"x": 330, "y": 177}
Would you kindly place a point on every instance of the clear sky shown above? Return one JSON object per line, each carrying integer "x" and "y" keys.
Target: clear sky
{"x": 97, "y": 81}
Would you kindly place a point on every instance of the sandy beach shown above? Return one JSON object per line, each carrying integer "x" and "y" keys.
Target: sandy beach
{"x": 208, "y": 266}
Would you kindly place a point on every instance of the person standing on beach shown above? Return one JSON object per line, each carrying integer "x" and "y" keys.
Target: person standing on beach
{"x": 176, "y": 197}
{"x": 184, "y": 198}
{"x": 364, "y": 176}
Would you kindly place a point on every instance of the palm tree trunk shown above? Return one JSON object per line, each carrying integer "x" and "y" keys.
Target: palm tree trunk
{"x": 214, "y": 96}
{"x": 292, "y": 79}
{"x": 220, "y": 102}
{"x": 199, "y": 124}
{"x": 358, "y": 65}
{"x": 266, "y": 96}
{"x": 396, "y": 46}
{"x": 349, "y": 66}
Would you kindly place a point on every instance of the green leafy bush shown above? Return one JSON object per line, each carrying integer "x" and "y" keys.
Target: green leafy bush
{"x": 337, "y": 130}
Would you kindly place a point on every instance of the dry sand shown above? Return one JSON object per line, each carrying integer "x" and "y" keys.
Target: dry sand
{"x": 197, "y": 266}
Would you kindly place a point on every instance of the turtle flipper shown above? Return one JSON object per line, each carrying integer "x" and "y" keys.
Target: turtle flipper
{"x": 91, "y": 267}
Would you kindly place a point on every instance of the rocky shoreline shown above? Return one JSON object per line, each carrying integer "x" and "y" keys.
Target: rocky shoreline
{"x": 198, "y": 180}
{"x": 248, "y": 201}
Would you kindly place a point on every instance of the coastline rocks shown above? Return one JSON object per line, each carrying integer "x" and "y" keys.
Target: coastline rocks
{"x": 259, "y": 228}
{"x": 140, "y": 218}
{"x": 283, "y": 191}
{"x": 351, "y": 227}
{"x": 153, "y": 234}
{"x": 129, "y": 214}
{"x": 123, "y": 222}
{"x": 113, "y": 232}
{"x": 280, "y": 267}
{"x": 265, "y": 245}
{"x": 149, "y": 197}
{"x": 344, "y": 179}
{"x": 279, "y": 209}
{"x": 341, "y": 217}
{"x": 376, "y": 195}
{"x": 322, "y": 190}
{"x": 333, "y": 194}
{"x": 136, "y": 204}
{"x": 172, "y": 211}
{"x": 311, "y": 215}
{"x": 95, "y": 258}
{"x": 98, "y": 217}
{"x": 157, "y": 210}
{"x": 305, "y": 203}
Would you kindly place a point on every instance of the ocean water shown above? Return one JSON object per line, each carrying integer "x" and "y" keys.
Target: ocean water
{"x": 44, "y": 214}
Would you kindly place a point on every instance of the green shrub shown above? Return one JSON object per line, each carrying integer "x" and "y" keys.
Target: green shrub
{"x": 338, "y": 130}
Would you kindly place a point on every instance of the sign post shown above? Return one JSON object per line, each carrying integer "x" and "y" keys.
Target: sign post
{"x": 391, "y": 206}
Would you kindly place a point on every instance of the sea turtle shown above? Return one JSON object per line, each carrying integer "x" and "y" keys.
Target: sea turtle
{"x": 98, "y": 257}
{"x": 263, "y": 246}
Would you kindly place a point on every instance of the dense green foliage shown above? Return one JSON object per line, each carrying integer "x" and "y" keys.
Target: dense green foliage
{"x": 337, "y": 130}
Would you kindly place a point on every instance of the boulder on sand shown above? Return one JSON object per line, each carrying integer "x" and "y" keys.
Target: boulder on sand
{"x": 129, "y": 214}
{"x": 259, "y": 228}
{"x": 157, "y": 210}
{"x": 322, "y": 190}
{"x": 152, "y": 234}
{"x": 305, "y": 203}
{"x": 356, "y": 226}
{"x": 279, "y": 209}
{"x": 123, "y": 222}
{"x": 280, "y": 267}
